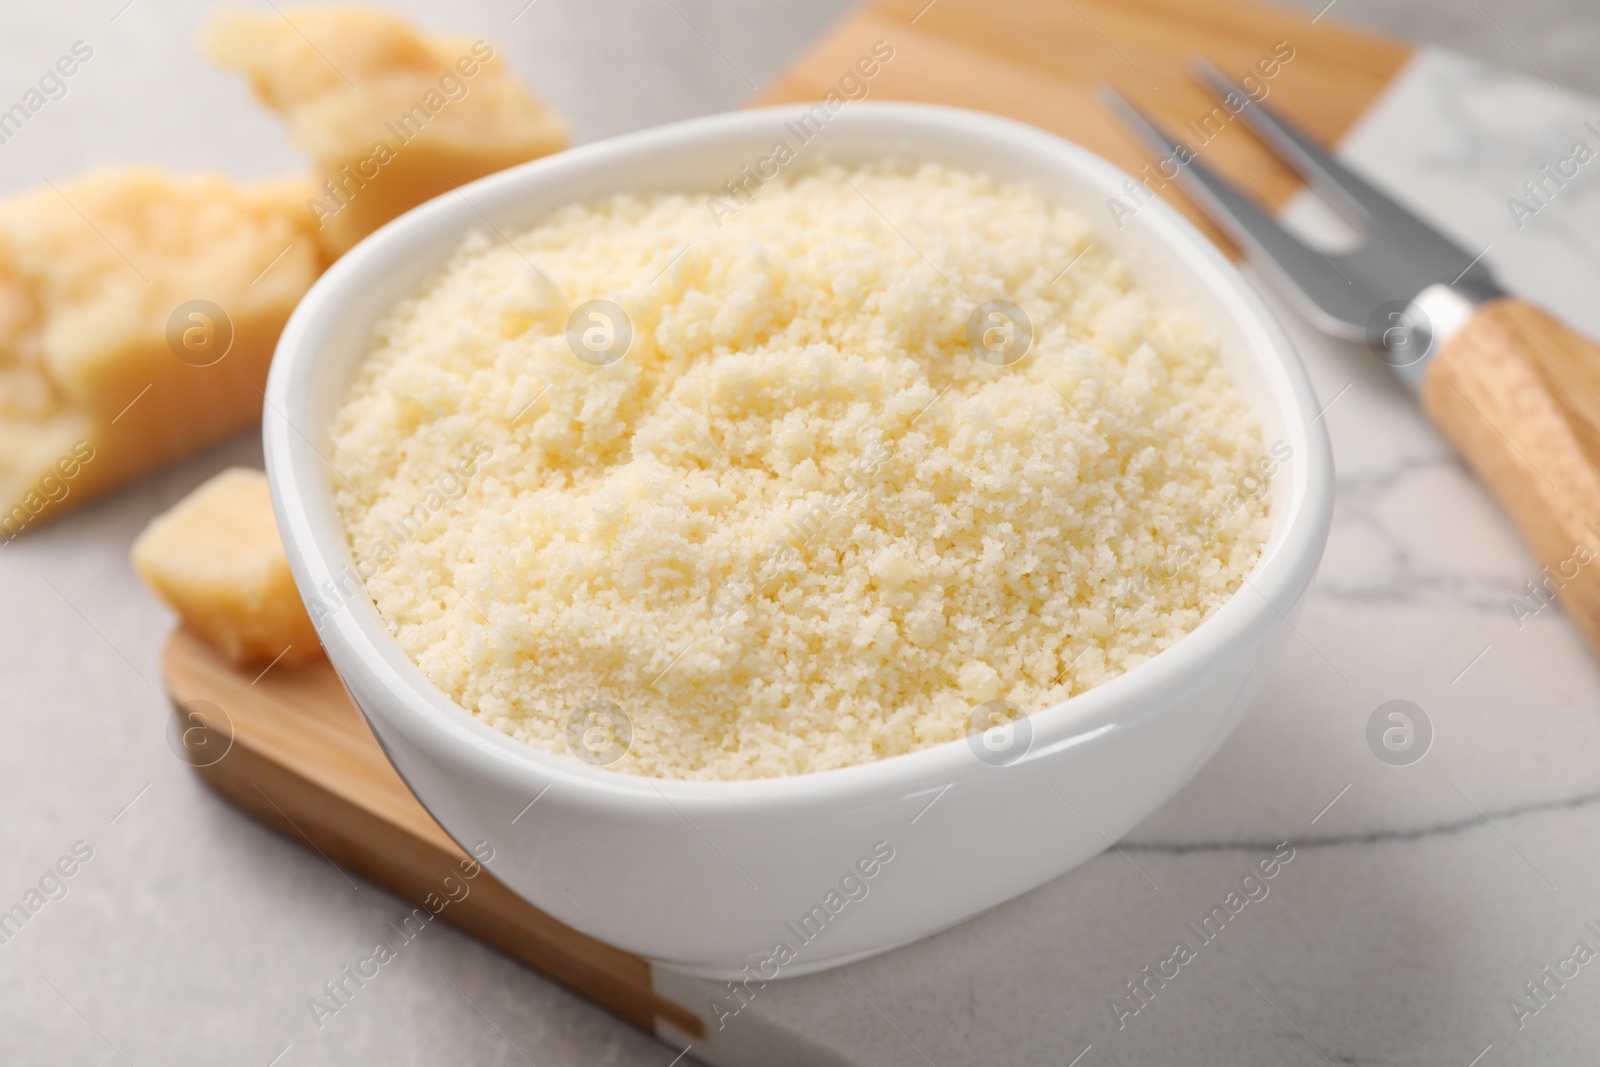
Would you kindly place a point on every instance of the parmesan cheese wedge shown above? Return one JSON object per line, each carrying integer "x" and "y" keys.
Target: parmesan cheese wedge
{"x": 138, "y": 313}
{"x": 216, "y": 559}
{"x": 390, "y": 117}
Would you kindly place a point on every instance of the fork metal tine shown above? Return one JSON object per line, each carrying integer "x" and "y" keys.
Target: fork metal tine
{"x": 1404, "y": 250}
{"x": 1324, "y": 293}
{"x": 1347, "y": 191}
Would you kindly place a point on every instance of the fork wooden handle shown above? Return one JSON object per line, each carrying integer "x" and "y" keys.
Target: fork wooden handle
{"x": 1518, "y": 393}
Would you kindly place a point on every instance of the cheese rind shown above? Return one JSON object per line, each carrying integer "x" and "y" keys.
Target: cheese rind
{"x": 390, "y": 117}
{"x": 216, "y": 559}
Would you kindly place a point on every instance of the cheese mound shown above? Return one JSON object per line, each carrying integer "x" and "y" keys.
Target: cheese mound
{"x": 799, "y": 524}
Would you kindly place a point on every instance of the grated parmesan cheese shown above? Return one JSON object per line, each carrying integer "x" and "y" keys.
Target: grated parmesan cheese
{"x": 798, "y": 525}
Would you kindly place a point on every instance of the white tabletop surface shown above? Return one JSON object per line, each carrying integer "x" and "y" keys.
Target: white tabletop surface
{"x": 1408, "y": 919}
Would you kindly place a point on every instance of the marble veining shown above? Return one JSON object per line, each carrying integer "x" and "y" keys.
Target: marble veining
{"x": 1386, "y": 564}
{"x": 1480, "y": 821}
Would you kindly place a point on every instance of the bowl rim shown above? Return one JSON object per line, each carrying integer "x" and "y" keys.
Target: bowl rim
{"x": 369, "y": 659}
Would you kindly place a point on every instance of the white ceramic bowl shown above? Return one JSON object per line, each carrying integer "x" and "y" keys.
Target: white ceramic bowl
{"x": 709, "y": 877}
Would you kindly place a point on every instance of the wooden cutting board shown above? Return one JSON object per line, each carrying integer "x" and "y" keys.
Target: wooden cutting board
{"x": 291, "y": 749}
{"x": 1040, "y": 61}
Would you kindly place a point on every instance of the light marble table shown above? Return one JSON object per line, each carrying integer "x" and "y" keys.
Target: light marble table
{"x": 1419, "y": 899}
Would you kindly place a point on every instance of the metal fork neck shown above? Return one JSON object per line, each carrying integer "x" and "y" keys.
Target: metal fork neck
{"x": 1440, "y": 311}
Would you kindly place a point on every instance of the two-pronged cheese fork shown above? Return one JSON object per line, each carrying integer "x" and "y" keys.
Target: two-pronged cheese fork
{"x": 1516, "y": 391}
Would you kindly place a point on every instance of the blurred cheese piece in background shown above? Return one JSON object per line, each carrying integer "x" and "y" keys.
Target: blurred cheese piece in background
{"x": 390, "y": 117}
{"x": 138, "y": 313}
{"x": 216, "y": 559}
{"x": 139, "y": 309}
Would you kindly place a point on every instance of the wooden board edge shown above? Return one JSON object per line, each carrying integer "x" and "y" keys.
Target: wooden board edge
{"x": 801, "y": 82}
{"x": 413, "y": 868}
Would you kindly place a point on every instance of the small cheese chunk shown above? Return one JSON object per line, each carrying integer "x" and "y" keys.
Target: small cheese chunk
{"x": 216, "y": 559}
{"x": 138, "y": 313}
{"x": 390, "y": 117}
{"x": 891, "y": 569}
